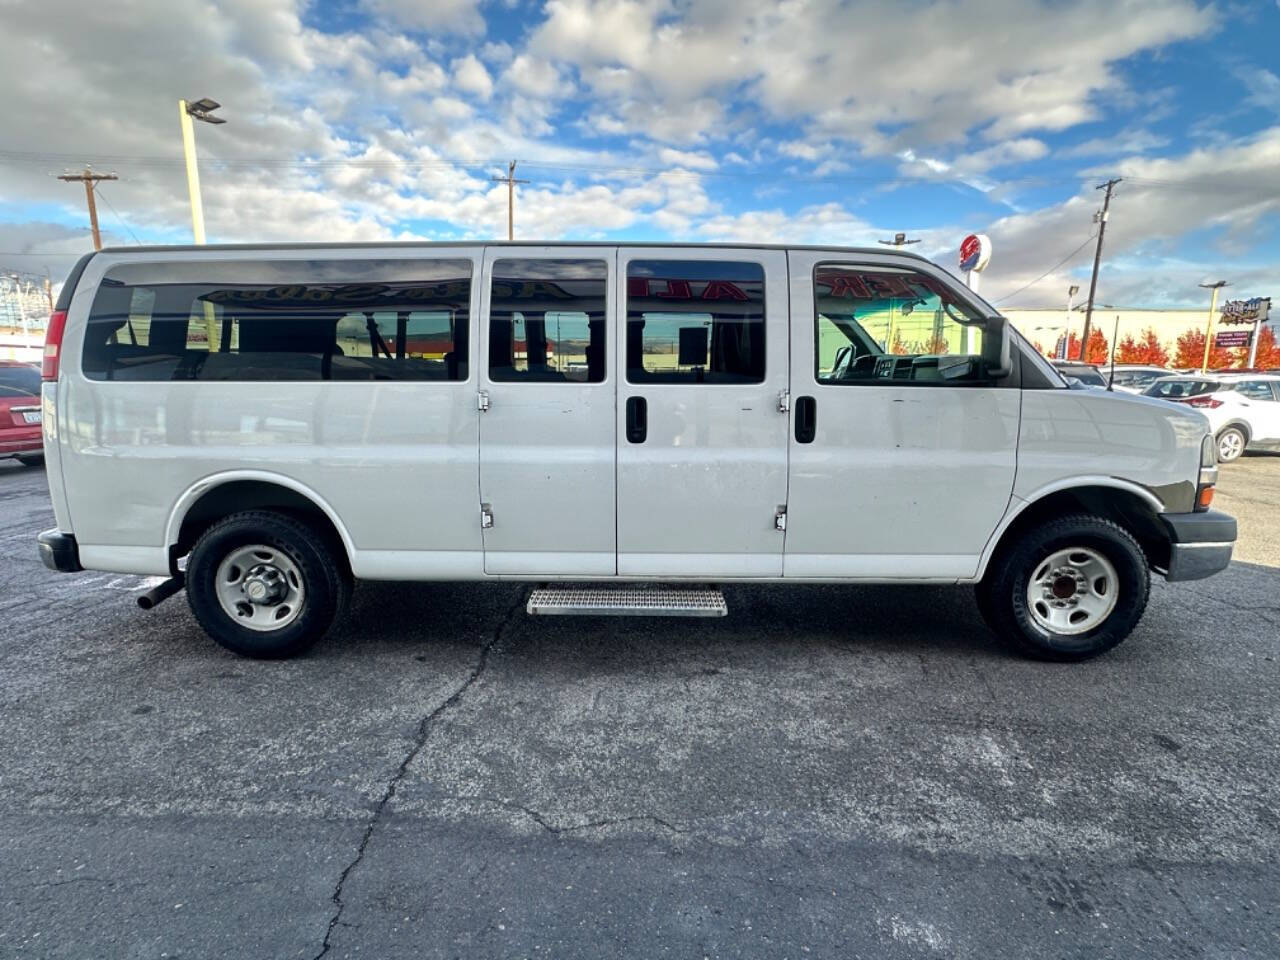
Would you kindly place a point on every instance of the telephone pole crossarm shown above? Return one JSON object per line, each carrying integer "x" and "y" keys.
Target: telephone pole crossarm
{"x": 511, "y": 181}
{"x": 90, "y": 181}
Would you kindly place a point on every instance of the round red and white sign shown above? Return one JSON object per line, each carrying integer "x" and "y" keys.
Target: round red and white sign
{"x": 975, "y": 252}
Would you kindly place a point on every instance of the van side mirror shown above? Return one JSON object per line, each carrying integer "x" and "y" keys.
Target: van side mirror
{"x": 996, "y": 347}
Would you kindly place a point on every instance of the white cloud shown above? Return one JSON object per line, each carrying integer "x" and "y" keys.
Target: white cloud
{"x": 1263, "y": 87}
{"x": 439, "y": 16}
{"x": 536, "y": 77}
{"x": 1227, "y": 189}
{"x": 691, "y": 159}
{"x": 1022, "y": 66}
{"x": 470, "y": 76}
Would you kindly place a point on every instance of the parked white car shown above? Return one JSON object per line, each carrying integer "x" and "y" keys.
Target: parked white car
{"x": 626, "y": 426}
{"x": 1244, "y": 413}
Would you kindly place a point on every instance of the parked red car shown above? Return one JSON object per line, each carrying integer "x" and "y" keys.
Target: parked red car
{"x": 20, "y": 432}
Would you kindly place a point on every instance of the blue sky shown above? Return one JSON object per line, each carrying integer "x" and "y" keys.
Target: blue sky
{"x": 754, "y": 120}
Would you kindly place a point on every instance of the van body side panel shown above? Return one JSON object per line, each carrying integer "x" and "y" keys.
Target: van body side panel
{"x": 397, "y": 460}
{"x": 899, "y": 481}
{"x": 50, "y": 410}
{"x": 1069, "y": 434}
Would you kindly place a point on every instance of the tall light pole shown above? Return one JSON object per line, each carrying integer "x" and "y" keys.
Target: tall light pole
{"x": 201, "y": 109}
{"x": 1066, "y": 333}
{"x": 1215, "y": 286}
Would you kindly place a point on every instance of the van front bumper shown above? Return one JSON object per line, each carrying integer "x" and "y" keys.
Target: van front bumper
{"x": 59, "y": 551}
{"x": 1200, "y": 544}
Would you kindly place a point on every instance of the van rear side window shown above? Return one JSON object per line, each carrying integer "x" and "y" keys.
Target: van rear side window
{"x": 406, "y": 324}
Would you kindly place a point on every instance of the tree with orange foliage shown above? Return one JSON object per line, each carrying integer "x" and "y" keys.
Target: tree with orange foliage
{"x": 1148, "y": 350}
{"x": 1268, "y": 357}
{"x": 1190, "y": 352}
{"x": 1099, "y": 348}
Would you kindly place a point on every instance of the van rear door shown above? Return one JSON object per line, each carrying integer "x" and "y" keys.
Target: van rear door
{"x": 702, "y": 436}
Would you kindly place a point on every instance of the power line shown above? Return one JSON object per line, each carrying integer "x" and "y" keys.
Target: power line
{"x": 119, "y": 218}
{"x": 1009, "y": 296}
{"x": 598, "y": 168}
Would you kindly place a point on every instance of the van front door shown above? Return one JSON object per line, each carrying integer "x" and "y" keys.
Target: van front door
{"x": 547, "y": 424}
{"x": 702, "y": 437}
{"x": 903, "y": 450}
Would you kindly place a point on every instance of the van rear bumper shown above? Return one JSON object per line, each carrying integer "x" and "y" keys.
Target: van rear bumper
{"x": 59, "y": 551}
{"x": 1200, "y": 544}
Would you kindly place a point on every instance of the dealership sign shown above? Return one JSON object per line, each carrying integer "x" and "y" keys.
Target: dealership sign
{"x": 1231, "y": 339}
{"x": 1246, "y": 311}
{"x": 975, "y": 252}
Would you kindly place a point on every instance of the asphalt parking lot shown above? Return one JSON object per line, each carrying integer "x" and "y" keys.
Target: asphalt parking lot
{"x": 828, "y": 772}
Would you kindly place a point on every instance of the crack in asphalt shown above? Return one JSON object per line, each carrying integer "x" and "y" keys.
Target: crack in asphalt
{"x": 419, "y": 741}
{"x": 547, "y": 825}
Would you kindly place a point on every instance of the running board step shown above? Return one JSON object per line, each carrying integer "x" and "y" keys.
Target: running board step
{"x": 628, "y": 600}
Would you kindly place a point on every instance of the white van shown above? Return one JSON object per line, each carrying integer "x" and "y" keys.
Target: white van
{"x": 627, "y": 426}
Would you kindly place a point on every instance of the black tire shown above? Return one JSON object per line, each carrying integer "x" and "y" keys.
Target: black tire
{"x": 323, "y": 576}
{"x": 1003, "y": 591}
{"x": 31, "y": 459}
{"x": 1235, "y": 452}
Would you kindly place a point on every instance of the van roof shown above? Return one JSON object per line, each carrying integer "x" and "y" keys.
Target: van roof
{"x": 429, "y": 244}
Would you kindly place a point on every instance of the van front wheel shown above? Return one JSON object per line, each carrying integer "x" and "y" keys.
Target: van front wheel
{"x": 1068, "y": 589}
{"x": 263, "y": 584}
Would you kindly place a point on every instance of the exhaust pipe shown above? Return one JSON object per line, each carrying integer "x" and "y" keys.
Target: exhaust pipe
{"x": 161, "y": 592}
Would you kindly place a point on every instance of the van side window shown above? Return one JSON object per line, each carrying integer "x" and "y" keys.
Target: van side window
{"x": 415, "y": 328}
{"x": 695, "y": 321}
{"x": 888, "y": 324}
{"x": 547, "y": 321}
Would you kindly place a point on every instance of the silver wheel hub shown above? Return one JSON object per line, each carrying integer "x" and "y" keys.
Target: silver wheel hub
{"x": 1072, "y": 591}
{"x": 1230, "y": 446}
{"x": 260, "y": 587}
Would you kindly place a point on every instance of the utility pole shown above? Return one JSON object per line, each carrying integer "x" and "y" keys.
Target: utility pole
{"x": 90, "y": 180}
{"x": 1097, "y": 261}
{"x": 511, "y": 181}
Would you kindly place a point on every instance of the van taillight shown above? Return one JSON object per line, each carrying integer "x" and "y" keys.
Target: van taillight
{"x": 53, "y": 344}
{"x": 1203, "y": 401}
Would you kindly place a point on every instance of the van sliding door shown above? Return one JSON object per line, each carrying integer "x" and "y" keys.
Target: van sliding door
{"x": 702, "y": 368}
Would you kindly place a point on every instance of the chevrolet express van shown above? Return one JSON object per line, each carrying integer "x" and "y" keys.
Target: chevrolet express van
{"x": 627, "y": 426}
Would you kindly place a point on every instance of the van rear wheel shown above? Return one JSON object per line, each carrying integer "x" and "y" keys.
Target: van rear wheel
{"x": 264, "y": 585}
{"x": 1068, "y": 589}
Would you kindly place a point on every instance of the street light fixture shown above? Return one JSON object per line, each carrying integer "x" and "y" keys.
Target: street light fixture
{"x": 1215, "y": 286}
{"x": 202, "y": 110}
{"x": 899, "y": 240}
